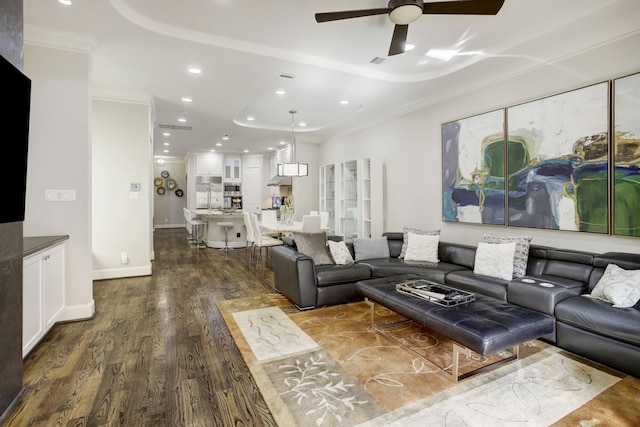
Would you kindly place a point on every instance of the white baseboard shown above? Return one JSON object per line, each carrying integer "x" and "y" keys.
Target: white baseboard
{"x": 78, "y": 312}
{"x": 117, "y": 273}
{"x": 169, "y": 226}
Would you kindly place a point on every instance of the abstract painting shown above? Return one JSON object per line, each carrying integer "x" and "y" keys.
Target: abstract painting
{"x": 626, "y": 147}
{"x": 473, "y": 169}
{"x": 558, "y": 161}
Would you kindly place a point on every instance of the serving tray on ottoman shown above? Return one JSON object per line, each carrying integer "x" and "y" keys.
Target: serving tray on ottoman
{"x": 486, "y": 325}
{"x": 435, "y": 292}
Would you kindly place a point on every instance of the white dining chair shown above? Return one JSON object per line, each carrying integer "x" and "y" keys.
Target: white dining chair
{"x": 248, "y": 249}
{"x": 313, "y": 213}
{"x": 269, "y": 219}
{"x": 311, "y": 223}
{"x": 262, "y": 241}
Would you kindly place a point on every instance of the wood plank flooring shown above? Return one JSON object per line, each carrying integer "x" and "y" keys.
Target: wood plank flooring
{"x": 157, "y": 352}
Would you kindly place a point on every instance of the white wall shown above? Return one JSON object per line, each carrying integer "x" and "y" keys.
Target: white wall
{"x": 168, "y": 208}
{"x": 59, "y": 158}
{"x": 121, "y": 156}
{"x": 305, "y": 188}
{"x": 410, "y": 145}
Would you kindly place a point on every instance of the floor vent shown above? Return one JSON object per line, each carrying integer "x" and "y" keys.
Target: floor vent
{"x": 174, "y": 127}
{"x": 377, "y": 60}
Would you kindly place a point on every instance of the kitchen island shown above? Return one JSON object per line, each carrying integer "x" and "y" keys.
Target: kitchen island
{"x": 214, "y": 237}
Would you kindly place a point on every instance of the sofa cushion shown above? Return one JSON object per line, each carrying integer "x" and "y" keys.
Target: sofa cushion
{"x": 422, "y": 247}
{"x": 495, "y": 260}
{"x": 370, "y": 248}
{"x": 405, "y": 237}
{"x": 386, "y": 267}
{"x": 521, "y": 254}
{"x": 618, "y": 286}
{"x": 329, "y": 275}
{"x": 468, "y": 281}
{"x": 314, "y": 245}
{"x": 600, "y": 318}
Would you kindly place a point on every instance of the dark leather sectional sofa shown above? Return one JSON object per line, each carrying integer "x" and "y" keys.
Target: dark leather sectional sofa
{"x": 555, "y": 280}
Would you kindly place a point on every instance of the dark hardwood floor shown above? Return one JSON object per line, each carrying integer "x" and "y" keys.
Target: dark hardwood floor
{"x": 157, "y": 352}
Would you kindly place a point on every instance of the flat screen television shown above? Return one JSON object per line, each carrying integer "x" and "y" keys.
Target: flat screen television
{"x": 17, "y": 103}
{"x": 276, "y": 202}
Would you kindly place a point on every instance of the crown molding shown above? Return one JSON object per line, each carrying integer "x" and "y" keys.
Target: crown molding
{"x": 56, "y": 39}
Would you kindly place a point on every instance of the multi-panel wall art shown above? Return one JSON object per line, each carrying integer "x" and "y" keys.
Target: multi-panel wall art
{"x": 626, "y": 143}
{"x": 557, "y": 162}
{"x": 473, "y": 185}
{"x": 558, "y": 156}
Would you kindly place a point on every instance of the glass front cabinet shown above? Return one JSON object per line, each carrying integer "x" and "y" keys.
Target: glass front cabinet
{"x": 348, "y": 193}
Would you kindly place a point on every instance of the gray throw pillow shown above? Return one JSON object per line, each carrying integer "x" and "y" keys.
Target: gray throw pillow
{"x": 405, "y": 237}
{"x": 314, "y": 245}
{"x": 371, "y": 248}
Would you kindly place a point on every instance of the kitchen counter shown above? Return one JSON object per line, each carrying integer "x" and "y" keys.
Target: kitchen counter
{"x": 215, "y": 234}
{"x": 32, "y": 245}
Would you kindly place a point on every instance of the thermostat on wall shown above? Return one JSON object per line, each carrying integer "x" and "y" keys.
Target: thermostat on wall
{"x": 134, "y": 186}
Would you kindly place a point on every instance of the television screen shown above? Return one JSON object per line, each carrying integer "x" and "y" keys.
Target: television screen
{"x": 276, "y": 202}
{"x": 15, "y": 139}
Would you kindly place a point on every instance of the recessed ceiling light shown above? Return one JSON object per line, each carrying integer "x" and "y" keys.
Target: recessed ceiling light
{"x": 282, "y": 142}
{"x": 166, "y": 143}
{"x": 182, "y": 120}
{"x": 218, "y": 144}
{"x": 302, "y": 124}
{"x": 166, "y": 151}
{"x": 280, "y": 92}
{"x": 344, "y": 102}
{"x": 195, "y": 70}
{"x": 186, "y": 99}
{"x": 409, "y": 46}
{"x": 166, "y": 134}
{"x": 212, "y": 150}
{"x": 442, "y": 54}
{"x": 65, "y": 2}
{"x": 246, "y": 151}
{"x": 226, "y": 137}
{"x": 250, "y": 118}
{"x": 269, "y": 148}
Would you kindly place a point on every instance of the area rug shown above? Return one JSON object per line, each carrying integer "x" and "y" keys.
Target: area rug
{"x": 328, "y": 367}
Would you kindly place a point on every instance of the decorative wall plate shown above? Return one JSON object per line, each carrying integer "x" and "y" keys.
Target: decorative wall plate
{"x": 179, "y": 192}
{"x": 171, "y": 184}
{"x": 164, "y": 174}
{"x": 157, "y": 182}
{"x": 161, "y": 190}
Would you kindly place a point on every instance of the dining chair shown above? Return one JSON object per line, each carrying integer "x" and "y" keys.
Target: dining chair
{"x": 248, "y": 249}
{"x": 313, "y": 213}
{"x": 269, "y": 219}
{"x": 262, "y": 241}
{"x": 311, "y": 223}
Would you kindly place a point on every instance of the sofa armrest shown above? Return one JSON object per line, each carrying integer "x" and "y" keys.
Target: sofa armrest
{"x": 294, "y": 276}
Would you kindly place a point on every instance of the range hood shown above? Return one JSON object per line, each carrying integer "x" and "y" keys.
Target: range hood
{"x": 279, "y": 180}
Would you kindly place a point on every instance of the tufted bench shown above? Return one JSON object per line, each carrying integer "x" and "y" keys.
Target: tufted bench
{"x": 485, "y": 326}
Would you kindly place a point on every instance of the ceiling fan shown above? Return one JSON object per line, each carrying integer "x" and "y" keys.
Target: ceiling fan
{"x": 404, "y": 12}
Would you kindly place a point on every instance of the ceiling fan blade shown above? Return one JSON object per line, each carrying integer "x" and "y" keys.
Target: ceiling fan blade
{"x": 463, "y": 7}
{"x": 398, "y": 40}
{"x": 347, "y": 14}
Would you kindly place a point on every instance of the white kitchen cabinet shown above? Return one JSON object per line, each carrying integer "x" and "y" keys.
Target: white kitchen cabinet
{"x": 232, "y": 171}
{"x": 43, "y": 294}
{"x": 209, "y": 164}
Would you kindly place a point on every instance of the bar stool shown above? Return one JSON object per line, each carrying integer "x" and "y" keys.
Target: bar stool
{"x": 226, "y": 226}
{"x": 198, "y": 227}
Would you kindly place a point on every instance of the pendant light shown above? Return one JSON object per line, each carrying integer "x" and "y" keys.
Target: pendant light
{"x": 293, "y": 168}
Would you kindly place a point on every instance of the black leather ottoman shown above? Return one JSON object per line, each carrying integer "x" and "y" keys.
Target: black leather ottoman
{"x": 485, "y": 325}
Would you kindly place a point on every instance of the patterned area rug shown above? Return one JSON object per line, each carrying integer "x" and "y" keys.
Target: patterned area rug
{"x": 328, "y": 367}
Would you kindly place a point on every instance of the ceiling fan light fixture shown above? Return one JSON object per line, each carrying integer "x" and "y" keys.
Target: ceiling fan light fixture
{"x": 406, "y": 12}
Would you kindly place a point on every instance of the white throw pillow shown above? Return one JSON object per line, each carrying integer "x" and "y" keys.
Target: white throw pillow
{"x": 495, "y": 260}
{"x": 521, "y": 256}
{"x": 422, "y": 247}
{"x": 618, "y": 286}
{"x": 405, "y": 237}
{"x": 340, "y": 252}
